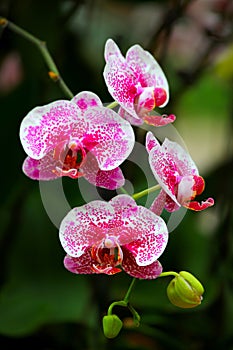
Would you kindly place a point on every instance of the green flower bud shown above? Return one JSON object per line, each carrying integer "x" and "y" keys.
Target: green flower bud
{"x": 185, "y": 290}
{"x": 111, "y": 326}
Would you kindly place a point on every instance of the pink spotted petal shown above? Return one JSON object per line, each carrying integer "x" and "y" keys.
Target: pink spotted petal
{"x": 196, "y": 206}
{"x": 152, "y": 237}
{"x": 159, "y": 120}
{"x": 112, "y": 51}
{"x": 129, "y": 117}
{"x": 80, "y": 265}
{"x": 151, "y": 142}
{"x": 134, "y": 223}
{"x": 130, "y": 266}
{"x": 85, "y": 226}
{"x": 147, "y": 69}
{"x": 110, "y": 179}
{"x": 163, "y": 167}
{"x": 123, "y": 202}
{"x": 40, "y": 169}
{"x": 121, "y": 84}
{"x": 170, "y": 205}
{"x": 181, "y": 157}
{"x": 86, "y": 99}
{"x": 159, "y": 203}
{"x": 113, "y": 137}
{"x": 45, "y": 127}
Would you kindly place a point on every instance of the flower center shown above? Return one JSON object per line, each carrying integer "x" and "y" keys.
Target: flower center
{"x": 189, "y": 187}
{"x": 148, "y": 98}
{"x": 108, "y": 256}
{"x": 70, "y": 158}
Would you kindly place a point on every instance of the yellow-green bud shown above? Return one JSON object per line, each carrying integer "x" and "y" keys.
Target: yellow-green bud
{"x": 185, "y": 290}
{"x": 111, "y": 326}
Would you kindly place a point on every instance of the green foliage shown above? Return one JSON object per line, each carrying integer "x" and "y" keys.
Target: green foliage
{"x": 39, "y": 290}
{"x": 39, "y": 299}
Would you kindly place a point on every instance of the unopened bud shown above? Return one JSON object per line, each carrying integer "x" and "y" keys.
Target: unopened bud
{"x": 111, "y": 326}
{"x": 185, "y": 290}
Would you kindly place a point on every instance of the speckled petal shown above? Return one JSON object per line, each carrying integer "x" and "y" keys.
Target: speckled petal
{"x": 196, "y": 206}
{"x": 123, "y": 202}
{"x": 113, "y": 137}
{"x": 46, "y": 126}
{"x": 81, "y": 265}
{"x": 158, "y": 204}
{"x": 110, "y": 179}
{"x": 40, "y": 169}
{"x": 147, "y": 69}
{"x": 170, "y": 205}
{"x": 151, "y": 142}
{"x": 152, "y": 237}
{"x": 129, "y": 117}
{"x": 130, "y": 266}
{"x": 162, "y": 166}
{"x": 86, "y": 99}
{"x": 159, "y": 120}
{"x": 181, "y": 157}
{"x": 121, "y": 84}
{"x": 112, "y": 51}
{"x": 84, "y": 226}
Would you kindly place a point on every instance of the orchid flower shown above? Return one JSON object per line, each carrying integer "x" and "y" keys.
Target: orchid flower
{"x": 106, "y": 237}
{"x": 137, "y": 83}
{"x": 177, "y": 175}
{"x": 76, "y": 138}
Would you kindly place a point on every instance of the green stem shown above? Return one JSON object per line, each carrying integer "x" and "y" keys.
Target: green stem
{"x": 125, "y": 301}
{"x": 116, "y": 303}
{"x": 123, "y": 190}
{"x": 147, "y": 191}
{"x": 136, "y": 316}
{"x": 127, "y": 295}
{"x": 169, "y": 273}
{"x": 112, "y": 104}
{"x": 41, "y": 45}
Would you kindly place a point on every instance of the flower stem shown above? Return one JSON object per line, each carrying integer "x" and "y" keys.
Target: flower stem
{"x": 169, "y": 273}
{"x": 116, "y": 303}
{"x": 147, "y": 191}
{"x": 125, "y": 303}
{"x": 112, "y": 104}
{"x": 123, "y": 190}
{"x": 127, "y": 295}
{"x": 41, "y": 45}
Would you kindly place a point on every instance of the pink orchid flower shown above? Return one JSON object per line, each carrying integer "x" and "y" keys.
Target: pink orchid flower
{"x": 106, "y": 237}
{"x": 137, "y": 83}
{"x": 76, "y": 138}
{"x": 177, "y": 175}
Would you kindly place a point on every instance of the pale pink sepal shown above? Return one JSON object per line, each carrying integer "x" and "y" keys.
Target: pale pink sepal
{"x": 86, "y": 99}
{"x": 40, "y": 169}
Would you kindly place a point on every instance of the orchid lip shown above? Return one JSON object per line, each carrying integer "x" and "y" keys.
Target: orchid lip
{"x": 107, "y": 254}
{"x": 70, "y": 156}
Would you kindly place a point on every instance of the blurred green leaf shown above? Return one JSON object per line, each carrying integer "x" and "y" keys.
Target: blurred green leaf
{"x": 39, "y": 290}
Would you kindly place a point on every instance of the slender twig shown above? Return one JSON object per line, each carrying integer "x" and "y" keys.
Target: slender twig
{"x": 41, "y": 45}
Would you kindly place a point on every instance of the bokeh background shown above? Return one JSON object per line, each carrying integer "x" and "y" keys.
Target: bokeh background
{"x": 43, "y": 306}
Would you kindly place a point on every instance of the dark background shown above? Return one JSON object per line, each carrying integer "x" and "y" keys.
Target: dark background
{"x": 43, "y": 306}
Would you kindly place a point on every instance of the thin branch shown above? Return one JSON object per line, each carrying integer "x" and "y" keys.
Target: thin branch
{"x": 41, "y": 45}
